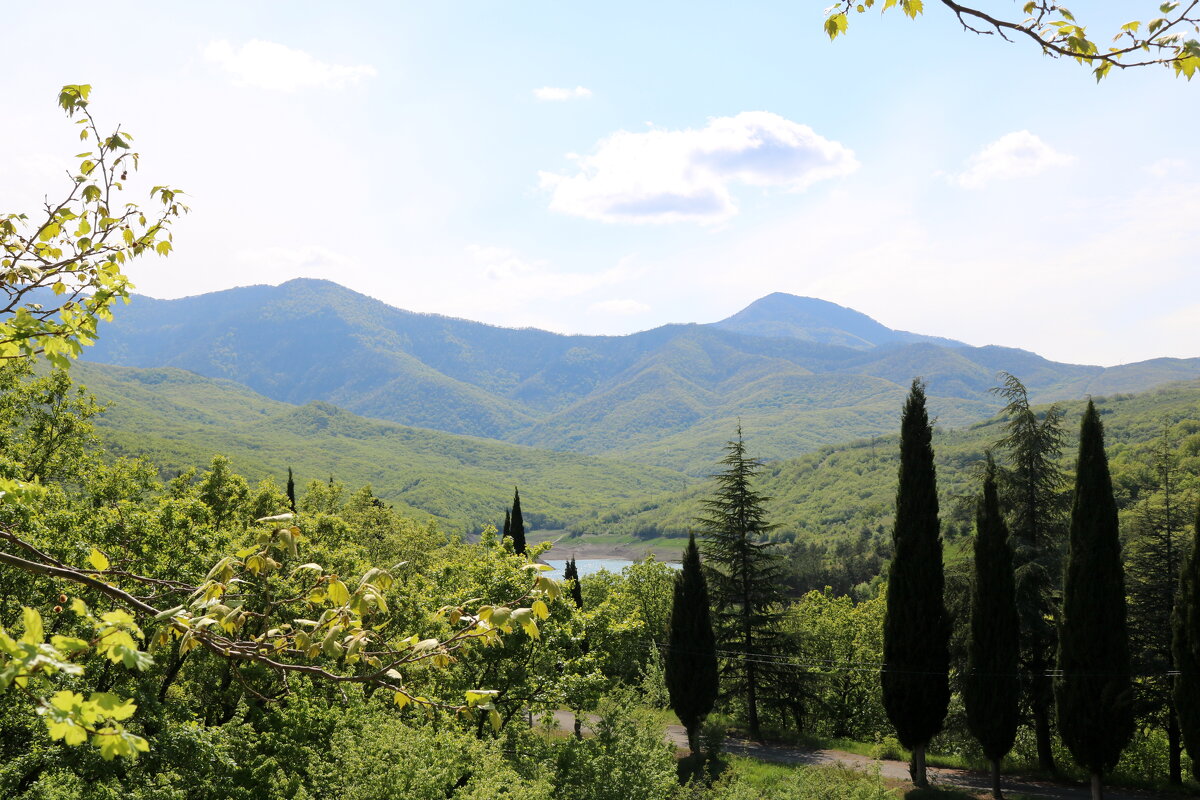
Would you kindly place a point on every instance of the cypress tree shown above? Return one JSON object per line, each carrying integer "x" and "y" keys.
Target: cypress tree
{"x": 1186, "y": 646}
{"x": 516, "y": 526}
{"x": 916, "y": 633}
{"x": 1092, "y": 689}
{"x": 507, "y": 524}
{"x": 743, "y": 573}
{"x": 571, "y": 573}
{"x": 291, "y": 491}
{"x": 991, "y": 688}
{"x": 1033, "y": 488}
{"x": 691, "y": 667}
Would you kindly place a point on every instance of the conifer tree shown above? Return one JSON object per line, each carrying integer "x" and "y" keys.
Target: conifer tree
{"x": 1092, "y": 690}
{"x": 916, "y": 634}
{"x": 571, "y": 573}
{"x": 1186, "y": 646}
{"x": 516, "y": 525}
{"x": 691, "y": 667}
{"x": 507, "y": 523}
{"x": 1155, "y": 558}
{"x": 991, "y": 687}
{"x": 744, "y": 574}
{"x": 291, "y": 491}
{"x": 1032, "y": 487}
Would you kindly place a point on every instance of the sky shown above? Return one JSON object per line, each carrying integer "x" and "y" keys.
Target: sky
{"x": 607, "y": 168}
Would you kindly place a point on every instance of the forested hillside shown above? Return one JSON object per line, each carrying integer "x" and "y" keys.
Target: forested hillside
{"x": 798, "y": 372}
{"x": 177, "y": 420}
{"x": 840, "y": 491}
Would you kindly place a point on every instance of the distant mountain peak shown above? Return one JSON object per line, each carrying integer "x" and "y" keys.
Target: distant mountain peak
{"x": 812, "y": 319}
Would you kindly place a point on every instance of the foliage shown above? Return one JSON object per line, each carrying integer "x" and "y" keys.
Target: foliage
{"x": 1186, "y": 648}
{"x": 1033, "y": 489}
{"x": 991, "y": 690}
{"x": 1165, "y": 40}
{"x": 514, "y": 524}
{"x": 61, "y": 271}
{"x": 1092, "y": 690}
{"x": 841, "y": 648}
{"x": 916, "y": 634}
{"x": 691, "y": 653}
{"x": 743, "y": 573}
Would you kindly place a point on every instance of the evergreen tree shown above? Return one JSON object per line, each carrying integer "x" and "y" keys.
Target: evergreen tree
{"x": 516, "y": 525}
{"x": 571, "y": 573}
{"x": 916, "y": 634}
{"x": 1092, "y": 689}
{"x": 691, "y": 668}
{"x": 1186, "y": 646}
{"x": 1032, "y": 487}
{"x": 743, "y": 574}
{"x": 291, "y": 491}
{"x": 1155, "y": 558}
{"x": 991, "y": 687}
{"x": 507, "y": 523}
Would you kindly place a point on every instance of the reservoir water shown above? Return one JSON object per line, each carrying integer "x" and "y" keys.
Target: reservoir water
{"x": 589, "y": 566}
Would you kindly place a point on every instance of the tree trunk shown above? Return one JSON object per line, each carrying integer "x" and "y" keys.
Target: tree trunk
{"x": 996, "y": 793}
{"x": 578, "y": 726}
{"x": 752, "y": 701}
{"x": 693, "y": 737}
{"x": 1174, "y": 747}
{"x": 1041, "y": 724}
{"x": 916, "y": 767}
{"x": 1097, "y": 787}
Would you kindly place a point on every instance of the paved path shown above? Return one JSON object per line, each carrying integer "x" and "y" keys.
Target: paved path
{"x": 894, "y": 770}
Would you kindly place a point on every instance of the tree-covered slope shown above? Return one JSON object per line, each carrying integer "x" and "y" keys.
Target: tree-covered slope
{"x": 178, "y": 420}
{"x": 839, "y": 491}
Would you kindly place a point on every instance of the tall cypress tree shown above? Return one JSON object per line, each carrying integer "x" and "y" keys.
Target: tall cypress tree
{"x": 1186, "y": 647}
{"x": 744, "y": 574}
{"x": 1092, "y": 690}
{"x": 516, "y": 525}
{"x": 916, "y": 633}
{"x": 1033, "y": 487}
{"x": 691, "y": 667}
{"x": 507, "y": 523}
{"x": 571, "y": 573}
{"x": 991, "y": 687}
{"x": 291, "y": 491}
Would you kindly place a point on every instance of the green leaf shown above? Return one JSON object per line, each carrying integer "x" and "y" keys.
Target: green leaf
{"x": 98, "y": 560}
{"x": 33, "y": 626}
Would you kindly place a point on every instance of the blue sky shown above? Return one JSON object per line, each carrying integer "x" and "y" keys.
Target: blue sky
{"x": 608, "y": 168}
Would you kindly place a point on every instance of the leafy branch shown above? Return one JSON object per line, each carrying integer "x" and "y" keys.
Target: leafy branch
{"x": 1165, "y": 40}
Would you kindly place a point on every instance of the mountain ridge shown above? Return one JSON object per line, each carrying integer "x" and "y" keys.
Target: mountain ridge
{"x": 657, "y": 396}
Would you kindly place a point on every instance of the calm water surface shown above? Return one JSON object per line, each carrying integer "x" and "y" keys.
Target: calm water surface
{"x": 588, "y": 566}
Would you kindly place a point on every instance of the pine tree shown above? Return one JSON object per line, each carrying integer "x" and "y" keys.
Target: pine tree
{"x": 1186, "y": 647}
{"x": 571, "y": 573}
{"x": 1154, "y": 562}
{"x": 744, "y": 574}
{"x": 1092, "y": 690}
{"x": 916, "y": 634}
{"x": 1032, "y": 487}
{"x": 691, "y": 668}
{"x": 516, "y": 526}
{"x": 991, "y": 687}
{"x": 291, "y": 491}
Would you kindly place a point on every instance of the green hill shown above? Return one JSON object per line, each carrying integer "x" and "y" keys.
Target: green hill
{"x": 178, "y": 420}
{"x": 840, "y": 491}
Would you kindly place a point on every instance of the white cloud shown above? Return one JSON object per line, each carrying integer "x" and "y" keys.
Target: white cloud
{"x": 507, "y": 271}
{"x": 268, "y": 65}
{"x": 557, "y": 94}
{"x": 1165, "y": 167}
{"x": 621, "y": 308}
{"x": 674, "y": 176}
{"x": 1019, "y": 154}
